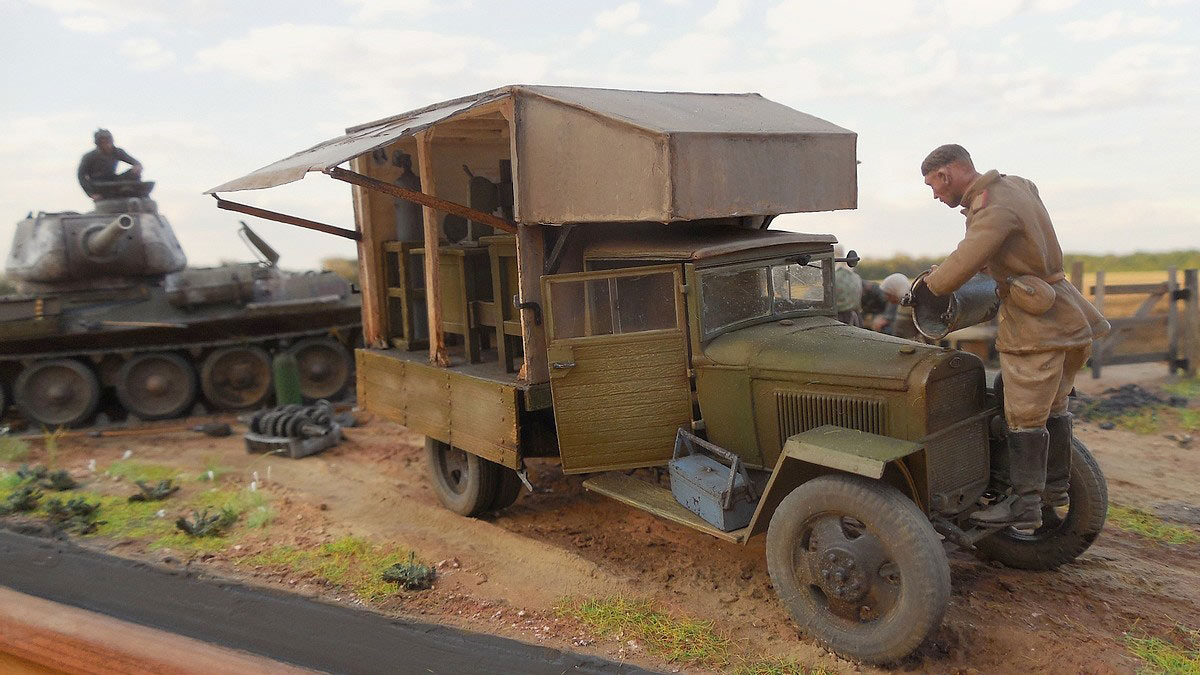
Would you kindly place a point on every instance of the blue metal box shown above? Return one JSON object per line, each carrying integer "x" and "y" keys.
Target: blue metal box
{"x": 722, "y": 495}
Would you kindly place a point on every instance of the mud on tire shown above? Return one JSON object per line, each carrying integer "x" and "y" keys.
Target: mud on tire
{"x": 1066, "y": 532}
{"x": 858, "y": 566}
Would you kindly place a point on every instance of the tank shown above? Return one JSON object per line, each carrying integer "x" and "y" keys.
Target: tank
{"x": 107, "y": 318}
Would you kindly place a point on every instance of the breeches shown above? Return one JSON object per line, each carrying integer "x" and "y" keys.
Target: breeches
{"x": 1036, "y": 385}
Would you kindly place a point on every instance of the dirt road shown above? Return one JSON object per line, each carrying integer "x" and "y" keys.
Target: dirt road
{"x": 506, "y": 574}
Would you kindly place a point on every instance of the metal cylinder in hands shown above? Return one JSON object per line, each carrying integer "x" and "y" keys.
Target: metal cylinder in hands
{"x": 936, "y": 316}
{"x": 101, "y": 241}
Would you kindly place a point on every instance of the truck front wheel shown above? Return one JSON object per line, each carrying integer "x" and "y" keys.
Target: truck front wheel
{"x": 858, "y": 566}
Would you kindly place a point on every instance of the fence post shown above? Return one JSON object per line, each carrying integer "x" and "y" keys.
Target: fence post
{"x": 1077, "y": 275}
{"x": 1191, "y": 321}
{"x": 1098, "y": 345}
{"x": 1172, "y": 321}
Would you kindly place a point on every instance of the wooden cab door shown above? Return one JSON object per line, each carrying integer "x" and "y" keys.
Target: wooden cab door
{"x": 618, "y": 356}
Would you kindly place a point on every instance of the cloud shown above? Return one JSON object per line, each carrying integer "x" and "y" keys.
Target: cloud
{"x": 796, "y": 24}
{"x": 1118, "y": 24}
{"x": 724, "y": 15}
{"x": 104, "y": 16}
{"x": 147, "y": 53}
{"x": 374, "y": 10}
{"x": 622, "y": 18}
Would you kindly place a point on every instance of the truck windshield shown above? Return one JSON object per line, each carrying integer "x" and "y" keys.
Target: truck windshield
{"x": 747, "y": 293}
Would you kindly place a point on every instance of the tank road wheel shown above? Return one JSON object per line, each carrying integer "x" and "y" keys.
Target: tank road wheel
{"x": 57, "y": 393}
{"x": 324, "y": 366}
{"x": 234, "y": 378}
{"x": 465, "y": 483}
{"x": 156, "y": 386}
{"x": 858, "y": 567}
{"x": 1066, "y": 531}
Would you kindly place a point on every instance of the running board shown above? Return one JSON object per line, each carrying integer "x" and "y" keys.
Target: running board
{"x": 656, "y": 500}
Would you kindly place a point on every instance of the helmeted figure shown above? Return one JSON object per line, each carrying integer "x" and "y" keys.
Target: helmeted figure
{"x": 1045, "y": 327}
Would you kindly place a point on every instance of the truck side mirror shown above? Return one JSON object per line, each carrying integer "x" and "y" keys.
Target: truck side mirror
{"x": 851, "y": 259}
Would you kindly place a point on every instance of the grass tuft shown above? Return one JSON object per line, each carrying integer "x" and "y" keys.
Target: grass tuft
{"x": 1164, "y": 656}
{"x": 13, "y": 449}
{"x": 213, "y": 469}
{"x": 134, "y": 471}
{"x": 677, "y": 639}
{"x": 1148, "y": 525}
{"x": 1185, "y": 387}
{"x": 780, "y": 667}
{"x": 1189, "y": 419}
{"x": 352, "y": 563}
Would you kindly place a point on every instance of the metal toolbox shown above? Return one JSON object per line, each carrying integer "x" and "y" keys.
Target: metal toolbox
{"x": 724, "y": 496}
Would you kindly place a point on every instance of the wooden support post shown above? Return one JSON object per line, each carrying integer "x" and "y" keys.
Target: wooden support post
{"x": 433, "y": 272}
{"x": 1098, "y": 345}
{"x": 1077, "y": 275}
{"x": 531, "y": 254}
{"x": 1191, "y": 313}
{"x": 372, "y": 278}
{"x": 1172, "y": 321}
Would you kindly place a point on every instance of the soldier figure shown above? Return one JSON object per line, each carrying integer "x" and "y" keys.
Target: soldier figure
{"x": 1045, "y": 328}
{"x": 101, "y": 165}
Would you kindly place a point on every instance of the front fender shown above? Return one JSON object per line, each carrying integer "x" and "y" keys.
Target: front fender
{"x": 826, "y": 449}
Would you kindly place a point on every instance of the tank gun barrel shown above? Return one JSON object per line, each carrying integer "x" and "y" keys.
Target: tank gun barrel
{"x": 100, "y": 241}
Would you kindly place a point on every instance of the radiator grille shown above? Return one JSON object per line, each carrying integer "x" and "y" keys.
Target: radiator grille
{"x": 958, "y": 459}
{"x": 803, "y": 411}
{"x": 954, "y": 398}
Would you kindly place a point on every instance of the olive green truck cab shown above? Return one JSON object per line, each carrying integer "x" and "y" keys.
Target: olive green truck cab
{"x": 635, "y": 301}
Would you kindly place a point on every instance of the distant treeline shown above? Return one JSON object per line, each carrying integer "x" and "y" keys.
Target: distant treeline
{"x": 878, "y": 268}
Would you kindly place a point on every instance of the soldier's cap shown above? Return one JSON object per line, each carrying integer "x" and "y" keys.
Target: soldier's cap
{"x": 102, "y": 133}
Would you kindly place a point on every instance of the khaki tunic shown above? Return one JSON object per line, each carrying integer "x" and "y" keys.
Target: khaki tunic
{"x": 1009, "y": 233}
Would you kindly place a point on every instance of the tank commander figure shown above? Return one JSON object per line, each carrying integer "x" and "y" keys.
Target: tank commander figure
{"x": 1045, "y": 328}
{"x": 101, "y": 165}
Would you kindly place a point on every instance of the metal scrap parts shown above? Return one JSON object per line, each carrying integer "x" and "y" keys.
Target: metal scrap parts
{"x": 294, "y": 430}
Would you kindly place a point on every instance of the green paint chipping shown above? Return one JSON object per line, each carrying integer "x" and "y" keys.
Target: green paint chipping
{"x": 13, "y": 449}
{"x": 676, "y": 639}
{"x": 352, "y": 563}
{"x": 1148, "y": 525}
{"x": 134, "y": 471}
{"x": 1165, "y": 656}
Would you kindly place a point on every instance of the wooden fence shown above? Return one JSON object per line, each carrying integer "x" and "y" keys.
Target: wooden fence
{"x": 1180, "y": 323}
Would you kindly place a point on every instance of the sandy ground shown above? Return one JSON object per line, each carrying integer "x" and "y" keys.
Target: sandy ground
{"x": 505, "y": 573}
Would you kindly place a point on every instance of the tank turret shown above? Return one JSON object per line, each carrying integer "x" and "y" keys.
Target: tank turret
{"x": 121, "y": 241}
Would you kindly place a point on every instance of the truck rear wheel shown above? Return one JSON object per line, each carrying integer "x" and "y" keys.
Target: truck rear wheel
{"x": 858, "y": 566}
{"x": 464, "y": 483}
{"x": 1067, "y": 531}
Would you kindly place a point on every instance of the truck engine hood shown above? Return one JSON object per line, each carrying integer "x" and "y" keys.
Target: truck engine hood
{"x": 824, "y": 350}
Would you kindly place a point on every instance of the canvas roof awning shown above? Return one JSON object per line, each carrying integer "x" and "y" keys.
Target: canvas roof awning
{"x": 606, "y": 155}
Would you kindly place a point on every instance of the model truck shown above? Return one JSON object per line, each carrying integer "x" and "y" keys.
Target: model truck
{"x": 636, "y": 310}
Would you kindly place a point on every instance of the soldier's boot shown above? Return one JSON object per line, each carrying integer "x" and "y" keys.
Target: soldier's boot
{"x": 1027, "y": 473}
{"x": 1058, "y": 460}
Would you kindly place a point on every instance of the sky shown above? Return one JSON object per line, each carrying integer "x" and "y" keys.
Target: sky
{"x": 1097, "y": 102}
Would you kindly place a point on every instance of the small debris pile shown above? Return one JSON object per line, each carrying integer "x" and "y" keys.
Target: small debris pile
{"x": 1127, "y": 399}
{"x": 410, "y": 574}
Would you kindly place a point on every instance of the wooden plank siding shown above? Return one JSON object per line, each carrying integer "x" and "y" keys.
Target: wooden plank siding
{"x": 477, "y": 415}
